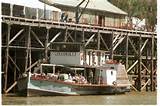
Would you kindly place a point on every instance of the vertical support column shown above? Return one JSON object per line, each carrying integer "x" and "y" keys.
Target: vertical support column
{"x": 7, "y": 55}
{"x": 11, "y": 10}
{"x": 65, "y": 37}
{"x": 139, "y": 63}
{"x": 147, "y": 54}
{"x": 15, "y": 72}
{"x": 99, "y": 41}
{"x": 27, "y": 50}
{"x": 30, "y": 50}
{"x": 152, "y": 64}
{"x": 83, "y": 47}
{"x": 75, "y": 35}
{"x": 46, "y": 42}
{"x": 127, "y": 51}
{"x": 111, "y": 47}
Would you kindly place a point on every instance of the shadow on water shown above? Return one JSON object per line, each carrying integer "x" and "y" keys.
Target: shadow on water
{"x": 130, "y": 98}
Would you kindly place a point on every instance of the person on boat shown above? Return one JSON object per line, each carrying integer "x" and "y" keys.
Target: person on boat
{"x": 57, "y": 75}
{"x": 69, "y": 76}
{"x": 90, "y": 77}
{"x": 76, "y": 78}
{"x": 82, "y": 79}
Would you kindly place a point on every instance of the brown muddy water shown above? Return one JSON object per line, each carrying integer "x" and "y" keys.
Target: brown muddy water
{"x": 130, "y": 98}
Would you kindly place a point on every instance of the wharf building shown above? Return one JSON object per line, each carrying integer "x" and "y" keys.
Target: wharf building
{"x": 33, "y": 31}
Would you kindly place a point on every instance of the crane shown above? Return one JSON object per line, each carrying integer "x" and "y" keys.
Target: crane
{"x": 80, "y": 11}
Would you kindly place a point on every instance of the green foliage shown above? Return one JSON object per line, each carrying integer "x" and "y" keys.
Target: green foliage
{"x": 139, "y": 8}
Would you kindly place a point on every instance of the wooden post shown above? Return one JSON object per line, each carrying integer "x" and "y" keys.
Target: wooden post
{"x": 46, "y": 43}
{"x": 30, "y": 51}
{"x": 111, "y": 47}
{"x": 152, "y": 64}
{"x": 27, "y": 50}
{"x": 147, "y": 54}
{"x": 7, "y": 57}
{"x": 15, "y": 72}
{"x": 66, "y": 35}
{"x": 139, "y": 63}
{"x": 99, "y": 41}
{"x": 83, "y": 47}
{"x": 127, "y": 51}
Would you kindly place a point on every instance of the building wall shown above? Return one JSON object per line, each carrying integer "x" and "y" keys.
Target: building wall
{"x": 92, "y": 17}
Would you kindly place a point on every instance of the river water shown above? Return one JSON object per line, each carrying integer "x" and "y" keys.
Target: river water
{"x": 130, "y": 98}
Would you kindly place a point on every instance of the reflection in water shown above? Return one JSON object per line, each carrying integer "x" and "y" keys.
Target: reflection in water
{"x": 134, "y": 98}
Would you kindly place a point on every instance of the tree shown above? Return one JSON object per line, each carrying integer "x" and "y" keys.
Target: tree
{"x": 142, "y": 9}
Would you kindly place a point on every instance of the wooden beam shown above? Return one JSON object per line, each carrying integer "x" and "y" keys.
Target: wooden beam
{"x": 46, "y": 44}
{"x": 134, "y": 88}
{"x": 135, "y": 63}
{"x": 99, "y": 41}
{"x": 66, "y": 35}
{"x": 119, "y": 41}
{"x": 53, "y": 39}
{"x": 127, "y": 51}
{"x": 145, "y": 67}
{"x": 39, "y": 41}
{"x": 16, "y": 36}
{"x": 13, "y": 85}
{"x": 104, "y": 42}
{"x": 7, "y": 56}
{"x": 111, "y": 47}
{"x": 144, "y": 45}
{"x": 132, "y": 46}
{"x": 145, "y": 84}
{"x": 14, "y": 63}
{"x": 27, "y": 50}
{"x": 69, "y": 35}
{"x": 35, "y": 63}
{"x": 152, "y": 64}
{"x": 89, "y": 40}
{"x": 139, "y": 64}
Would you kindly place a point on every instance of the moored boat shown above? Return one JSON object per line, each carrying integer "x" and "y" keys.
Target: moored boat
{"x": 52, "y": 79}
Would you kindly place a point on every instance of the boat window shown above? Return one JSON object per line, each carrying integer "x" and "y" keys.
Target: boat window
{"x": 111, "y": 72}
{"x": 111, "y": 67}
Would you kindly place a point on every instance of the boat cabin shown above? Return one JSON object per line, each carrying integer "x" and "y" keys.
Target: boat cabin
{"x": 78, "y": 74}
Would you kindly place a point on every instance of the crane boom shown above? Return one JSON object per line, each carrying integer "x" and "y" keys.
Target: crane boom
{"x": 79, "y": 13}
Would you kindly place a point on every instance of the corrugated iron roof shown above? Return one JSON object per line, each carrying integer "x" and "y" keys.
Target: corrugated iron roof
{"x": 31, "y": 3}
{"x": 101, "y": 5}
